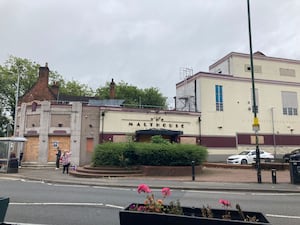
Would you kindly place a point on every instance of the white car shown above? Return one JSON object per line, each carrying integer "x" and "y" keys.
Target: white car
{"x": 248, "y": 157}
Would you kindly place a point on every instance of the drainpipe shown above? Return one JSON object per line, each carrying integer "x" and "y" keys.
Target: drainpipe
{"x": 273, "y": 130}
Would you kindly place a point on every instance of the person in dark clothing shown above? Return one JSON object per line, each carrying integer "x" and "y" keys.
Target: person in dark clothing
{"x": 20, "y": 159}
{"x": 58, "y": 155}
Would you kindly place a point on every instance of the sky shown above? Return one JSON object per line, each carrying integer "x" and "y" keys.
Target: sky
{"x": 145, "y": 43}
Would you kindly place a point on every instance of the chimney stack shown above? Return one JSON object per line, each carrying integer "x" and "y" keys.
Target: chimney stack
{"x": 112, "y": 92}
{"x": 44, "y": 76}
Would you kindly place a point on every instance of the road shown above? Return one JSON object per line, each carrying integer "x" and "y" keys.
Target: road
{"x": 56, "y": 204}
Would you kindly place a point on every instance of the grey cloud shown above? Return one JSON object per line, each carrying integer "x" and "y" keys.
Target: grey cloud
{"x": 143, "y": 42}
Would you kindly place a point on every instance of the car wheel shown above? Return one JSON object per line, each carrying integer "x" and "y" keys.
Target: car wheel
{"x": 244, "y": 161}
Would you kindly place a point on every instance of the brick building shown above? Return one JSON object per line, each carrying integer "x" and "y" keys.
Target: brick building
{"x": 48, "y": 119}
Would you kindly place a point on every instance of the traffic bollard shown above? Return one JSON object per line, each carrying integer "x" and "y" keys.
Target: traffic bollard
{"x": 193, "y": 170}
{"x": 273, "y": 176}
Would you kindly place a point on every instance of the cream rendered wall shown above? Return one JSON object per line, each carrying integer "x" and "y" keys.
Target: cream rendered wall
{"x": 270, "y": 97}
{"x": 128, "y": 122}
{"x": 235, "y": 118}
{"x": 223, "y": 67}
{"x": 270, "y": 69}
{"x": 237, "y": 115}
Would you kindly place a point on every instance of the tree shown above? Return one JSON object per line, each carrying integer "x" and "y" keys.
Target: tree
{"x": 5, "y": 127}
{"x": 28, "y": 71}
{"x": 9, "y": 73}
{"x": 74, "y": 88}
{"x": 133, "y": 96}
{"x": 152, "y": 97}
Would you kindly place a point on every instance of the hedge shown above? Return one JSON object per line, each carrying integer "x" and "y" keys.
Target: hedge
{"x": 154, "y": 154}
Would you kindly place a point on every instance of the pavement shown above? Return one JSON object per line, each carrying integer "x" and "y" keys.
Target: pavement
{"x": 210, "y": 178}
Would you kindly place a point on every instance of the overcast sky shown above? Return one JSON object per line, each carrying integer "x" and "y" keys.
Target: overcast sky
{"x": 143, "y": 42}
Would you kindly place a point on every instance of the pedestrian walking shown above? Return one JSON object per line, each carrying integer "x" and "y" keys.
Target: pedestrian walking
{"x": 65, "y": 160}
{"x": 21, "y": 158}
{"x": 58, "y": 155}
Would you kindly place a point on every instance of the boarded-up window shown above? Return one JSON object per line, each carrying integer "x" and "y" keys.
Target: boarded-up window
{"x": 60, "y": 120}
{"x": 90, "y": 144}
{"x": 257, "y": 69}
{"x": 287, "y": 72}
{"x": 33, "y": 121}
{"x": 260, "y": 139}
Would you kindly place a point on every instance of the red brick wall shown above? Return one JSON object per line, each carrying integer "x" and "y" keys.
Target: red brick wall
{"x": 40, "y": 90}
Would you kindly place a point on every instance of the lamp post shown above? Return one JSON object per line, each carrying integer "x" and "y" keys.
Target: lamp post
{"x": 255, "y": 124}
{"x": 273, "y": 130}
{"x": 16, "y": 104}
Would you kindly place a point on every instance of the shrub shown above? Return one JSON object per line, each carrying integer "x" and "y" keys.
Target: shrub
{"x": 158, "y": 139}
{"x": 133, "y": 153}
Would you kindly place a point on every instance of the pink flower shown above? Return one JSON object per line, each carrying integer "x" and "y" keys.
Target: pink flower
{"x": 225, "y": 202}
{"x": 141, "y": 208}
{"x": 143, "y": 188}
{"x": 166, "y": 192}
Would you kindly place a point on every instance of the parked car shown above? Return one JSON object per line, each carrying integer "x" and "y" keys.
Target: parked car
{"x": 286, "y": 157}
{"x": 248, "y": 157}
{"x": 295, "y": 157}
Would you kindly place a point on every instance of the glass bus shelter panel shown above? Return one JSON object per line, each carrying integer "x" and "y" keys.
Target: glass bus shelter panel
{"x": 4, "y": 155}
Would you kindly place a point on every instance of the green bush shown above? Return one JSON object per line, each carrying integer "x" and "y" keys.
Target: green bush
{"x": 154, "y": 154}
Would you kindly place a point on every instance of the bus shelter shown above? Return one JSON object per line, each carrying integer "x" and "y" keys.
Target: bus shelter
{"x": 11, "y": 149}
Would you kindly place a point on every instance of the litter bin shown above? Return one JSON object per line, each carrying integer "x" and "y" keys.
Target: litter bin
{"x": 3, "y": 207}
{"x": 13, "y": 165}
{"x": 295, "y": 169}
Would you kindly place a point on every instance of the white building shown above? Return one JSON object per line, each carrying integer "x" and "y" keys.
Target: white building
{"x": 224, "y": 98}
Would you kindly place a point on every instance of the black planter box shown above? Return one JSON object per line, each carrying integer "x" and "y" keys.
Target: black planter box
{"x": 191, "y": 216}
{"x": 3, "y": 207}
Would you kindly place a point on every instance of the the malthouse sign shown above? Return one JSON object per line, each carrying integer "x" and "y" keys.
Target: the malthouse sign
{"x": 156, "y": 122}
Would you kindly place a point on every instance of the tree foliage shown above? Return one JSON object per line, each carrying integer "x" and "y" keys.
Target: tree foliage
{"x": 74, "y": 88}
{"x": 28, "y": 72}
{"x": 133, "y": 96}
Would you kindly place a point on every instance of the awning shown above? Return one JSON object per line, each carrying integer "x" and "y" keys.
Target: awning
{"x": 13, "y": 139}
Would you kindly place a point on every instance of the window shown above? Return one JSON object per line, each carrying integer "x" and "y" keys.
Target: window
{"x": 219, "y": 97}
{"x": 289, "y": 103}
{"x": 33, "y": 106}
{"x": 90, "y": 145}
{"x": 257, "y": 69}
{"x": 287, "y": 72}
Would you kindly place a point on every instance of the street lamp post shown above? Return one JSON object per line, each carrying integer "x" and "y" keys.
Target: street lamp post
{"x": 16, "y": 104}
{"x": 255, "y": 124}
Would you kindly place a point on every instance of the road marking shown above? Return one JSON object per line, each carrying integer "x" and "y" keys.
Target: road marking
{"x": 69, "y": 185}
{"x": 114, "y": 206}
{"x": 283, "y": 216}
{"x": 9, "y": 178}
{"x": 275, "y": 194}
{"x": 32, "y": 181}
{"x": 65, "y": 204}
{"x": 57, "y": 203}
{"x": 215, "y": 192}
{"x": 112, "y": 188}
{"x": 110, "y": 206}
{"x": 23, "y": 223}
